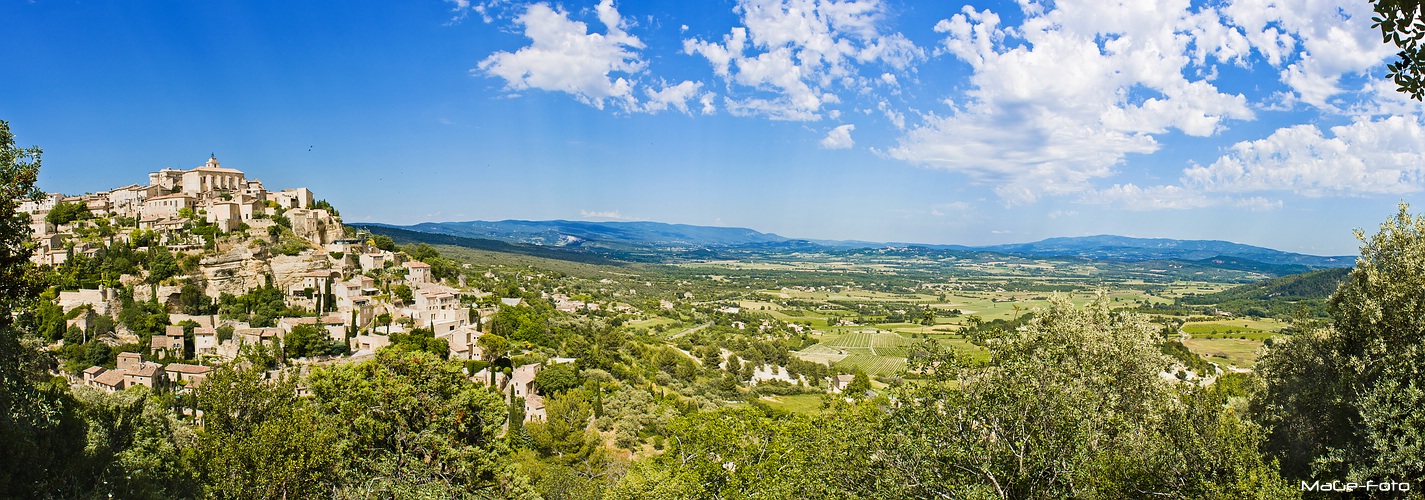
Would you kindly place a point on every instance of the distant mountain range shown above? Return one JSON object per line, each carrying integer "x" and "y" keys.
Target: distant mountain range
{"x": 1134, "y": 249}
{"x": 618, "y": 235}
{"x": 612, "y": 238}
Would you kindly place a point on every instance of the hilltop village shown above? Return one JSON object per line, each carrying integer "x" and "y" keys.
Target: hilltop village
{"x": 160, "y": 283}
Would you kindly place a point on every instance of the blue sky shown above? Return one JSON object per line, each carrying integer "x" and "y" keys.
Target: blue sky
{"x": 1256, "y": 121}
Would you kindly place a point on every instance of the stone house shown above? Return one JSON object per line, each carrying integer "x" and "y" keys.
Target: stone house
{"x": 167, "y": 206}
{"x": 129, "y": 360}
{"x": 188, "y": 375}
{"x": 205, "y": 340}
{"x": 146, "y": 374}
{"x": 109, "y": 380}
{"x": 417, "y": 272}
{"x": 170, "y": 343}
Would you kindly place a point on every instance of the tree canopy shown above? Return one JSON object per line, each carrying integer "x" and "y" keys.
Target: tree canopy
{"x": 1402, "y": 23}
{"x": 1343, "y": 400}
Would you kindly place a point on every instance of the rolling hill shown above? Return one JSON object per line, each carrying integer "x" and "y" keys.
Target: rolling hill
{"x": 645, "y": 241}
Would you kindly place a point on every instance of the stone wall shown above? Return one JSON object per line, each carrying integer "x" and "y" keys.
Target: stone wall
{"x": 316, "y": 226}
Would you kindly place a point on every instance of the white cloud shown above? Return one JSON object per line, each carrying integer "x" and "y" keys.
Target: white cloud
{"x": 565, "y": 57}
{"x": 676, "y": 96}
{"x": 954, "y": 207}
{"x": 707, "y": 100}
{"x": 1132, "y": 197}
{"x": 461, "y": 9}
{"x": 1318, "y": 42}
{"x": 839, "y": 138}
{"x": 607, "y": 214}
{"x": 1063, "y": 98}
{"x": 1365, "y": 157}
{"x": 791, "y": 56}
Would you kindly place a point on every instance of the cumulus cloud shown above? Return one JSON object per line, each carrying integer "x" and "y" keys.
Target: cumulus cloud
{"x": 839, "y": 138}
{"x": 675, "y": 96}
{"x": 564, "y": 56}
{"x": 1313, "y": 42}
{"x": 1055, "y": 103}
{"x": 791, "y": 57}
{"x": 1063, "y": 98}
{"x": 598, "y": 69}
{"x": 1365, "y": 157}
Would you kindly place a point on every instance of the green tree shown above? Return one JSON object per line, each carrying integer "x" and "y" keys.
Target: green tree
{"x": 383, "y": 242}
{"x": 564, "y": 434}
{"x": 556, "y": 378}
{"x": 39, "y": 431}
{"x": 1402, "y": 22}
{"x": 748, "y": 452}
{"x": 1343, "y": 400}
{"x": 417, "y": 420}
{"x": 136, "y": 444}
{"x": 67, "y": 212}
{"x": 493, "y": 348}
{"x": 1069, "y": 405}
{"x": 311, "y": 340}
{"x": 384, "y": 319}
{"x": 161, "y": 264}
{"x": 422, "y": 339}
{"x": 859, "y": 386}
{"x": 403, "y": 293}
{"x": 192, "y": 301}
{"x": 261, "y": 441}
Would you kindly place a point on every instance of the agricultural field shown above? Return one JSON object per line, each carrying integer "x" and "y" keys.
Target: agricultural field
{"x": 1231, "y": 351}
{"x": 866, "y": 310}
{"x": 806, "y": 404}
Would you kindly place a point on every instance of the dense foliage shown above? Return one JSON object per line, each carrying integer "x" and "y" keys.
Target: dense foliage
{"x": 1285, "y": 297}
{"x": 1345, "y": 400}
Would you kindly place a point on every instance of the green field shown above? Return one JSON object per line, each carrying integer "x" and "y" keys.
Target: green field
{"x": 1235, "y": 352}
{"x": 884, "y": 366}
{"x": 806, "y": 404}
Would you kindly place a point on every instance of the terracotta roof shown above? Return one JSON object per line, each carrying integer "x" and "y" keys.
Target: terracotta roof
{"x": 260, "y": 332}
{"x": 147, "y": 370}
{"x": 173, "y": 330}
{"x": 111, "y": 378}
{"x": 187, "y": 368}
{"x": 205, "y": 331}
{"x": 414, "y": 264}
{"x": 93, "y": 370}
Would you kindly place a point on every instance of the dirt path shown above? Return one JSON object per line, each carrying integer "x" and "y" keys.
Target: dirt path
{"x": 690, "y": 330}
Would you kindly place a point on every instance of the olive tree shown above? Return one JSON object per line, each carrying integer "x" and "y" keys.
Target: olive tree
{"x": 1344, "y": 401}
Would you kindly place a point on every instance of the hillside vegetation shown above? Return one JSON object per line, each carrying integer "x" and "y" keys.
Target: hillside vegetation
{"x": 748, "y": 373}
{"x": 1304, "y": 293}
